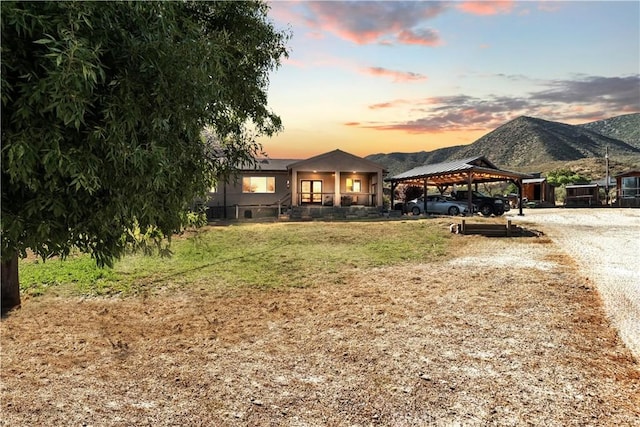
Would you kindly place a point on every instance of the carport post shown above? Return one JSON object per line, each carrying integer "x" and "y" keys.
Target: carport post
{"x": 469, "y": 195}
{"x": 424, "y": 195}
{"x": 519, "y": 185}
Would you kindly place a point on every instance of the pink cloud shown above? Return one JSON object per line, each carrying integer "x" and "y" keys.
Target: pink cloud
{"x": 486, "y": 7}
{"x": 367, "y": 22}
{"x": 382, "y": 105}
{"x": 397, "y": 76}
{"x": 420, "y": 37}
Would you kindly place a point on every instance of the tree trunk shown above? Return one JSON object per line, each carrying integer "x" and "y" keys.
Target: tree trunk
{"x": 10, "y": 286}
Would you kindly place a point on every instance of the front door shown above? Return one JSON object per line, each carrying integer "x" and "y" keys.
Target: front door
{"x": 311, "y": 191}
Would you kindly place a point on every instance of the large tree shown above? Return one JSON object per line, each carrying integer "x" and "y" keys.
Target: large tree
{"x": 103, "y": 106}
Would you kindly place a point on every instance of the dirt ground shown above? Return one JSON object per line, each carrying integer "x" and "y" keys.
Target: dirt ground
{"x": 606, "y": 245}
{"x": 507, "y": 332}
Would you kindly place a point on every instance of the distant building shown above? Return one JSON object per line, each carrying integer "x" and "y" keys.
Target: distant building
{"x": 582, "y": 195}
{"x": 539, "y": 191}
{"x": 628, "y": 189}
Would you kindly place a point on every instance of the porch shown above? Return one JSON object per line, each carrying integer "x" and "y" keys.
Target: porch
{"x": 336, "y": 179}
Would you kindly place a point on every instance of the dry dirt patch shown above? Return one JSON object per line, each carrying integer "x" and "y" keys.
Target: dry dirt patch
{"x": 468, "y": 341}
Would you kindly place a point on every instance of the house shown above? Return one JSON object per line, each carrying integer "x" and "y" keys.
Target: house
{"x": 333, "y": 184}
{"x": 538, "y": 191}
{"x": 628, "y": 189}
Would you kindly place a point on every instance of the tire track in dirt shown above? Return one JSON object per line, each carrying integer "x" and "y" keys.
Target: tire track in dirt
{"x": 606, "y": 245}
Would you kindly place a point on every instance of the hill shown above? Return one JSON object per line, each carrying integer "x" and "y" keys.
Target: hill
{"x": 625, "y": 128}
{"x": 529, "y": 143}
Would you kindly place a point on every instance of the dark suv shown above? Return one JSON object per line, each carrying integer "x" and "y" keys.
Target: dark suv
{"x": 487, "y": 205}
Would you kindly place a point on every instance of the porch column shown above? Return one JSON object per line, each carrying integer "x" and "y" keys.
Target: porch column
{"x": 336, "y": 189}
{"x": 380, "y": 191}
{"x": 294, "y": 187}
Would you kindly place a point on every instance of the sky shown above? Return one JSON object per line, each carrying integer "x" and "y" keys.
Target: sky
{"x": 372, "y": 77}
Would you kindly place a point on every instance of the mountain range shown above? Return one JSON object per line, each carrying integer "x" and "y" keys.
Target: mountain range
{"x": 532, "y": 144}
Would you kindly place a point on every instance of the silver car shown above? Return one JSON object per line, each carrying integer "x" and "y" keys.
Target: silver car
{"x": 437, "y": 205}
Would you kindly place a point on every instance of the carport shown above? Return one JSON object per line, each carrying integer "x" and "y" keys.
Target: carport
{"x": 469, "y": 171}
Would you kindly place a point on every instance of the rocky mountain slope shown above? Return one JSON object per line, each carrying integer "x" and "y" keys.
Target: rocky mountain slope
{"x": 527, "y": 143}
{"x": 625, "y": 128}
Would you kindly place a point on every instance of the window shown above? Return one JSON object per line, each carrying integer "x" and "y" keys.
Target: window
{"x": 258, "y": 184}
{"x": 631, "y": 186}
{"x": 354, "y": 185}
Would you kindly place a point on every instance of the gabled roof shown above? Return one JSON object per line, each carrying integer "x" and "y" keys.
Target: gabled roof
{"x": 337, "y": 158}
{"x": 273, "y": 164}
{"x": 457, "y": 172}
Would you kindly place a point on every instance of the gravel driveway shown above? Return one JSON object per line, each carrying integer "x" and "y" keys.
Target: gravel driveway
{"x": 606, "y": 245}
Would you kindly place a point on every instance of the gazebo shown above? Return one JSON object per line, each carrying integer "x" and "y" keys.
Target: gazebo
{"x": 468, "y": 171}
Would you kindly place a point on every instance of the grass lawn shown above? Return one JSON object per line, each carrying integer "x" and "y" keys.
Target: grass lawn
{"x": 256, "y": 255}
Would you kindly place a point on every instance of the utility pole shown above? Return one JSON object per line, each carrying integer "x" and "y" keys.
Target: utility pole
{"x": 606, "y": 184}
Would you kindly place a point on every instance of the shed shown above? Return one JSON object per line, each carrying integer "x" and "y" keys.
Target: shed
{"x": 539, "y": 191}
{"x": 582, "y": 195}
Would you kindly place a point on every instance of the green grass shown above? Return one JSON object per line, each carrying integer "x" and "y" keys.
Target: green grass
{"x": 255, "y": 255}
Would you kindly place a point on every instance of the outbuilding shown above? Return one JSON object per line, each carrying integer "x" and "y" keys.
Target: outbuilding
{"x": 538, "y": 191}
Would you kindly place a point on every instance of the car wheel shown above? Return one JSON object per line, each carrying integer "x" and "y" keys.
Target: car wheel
{"x": 454, "y": 211}
{"x": 486, "y": 210}
{"x": 415, "y": 210}
{"x": 499, "y": 212}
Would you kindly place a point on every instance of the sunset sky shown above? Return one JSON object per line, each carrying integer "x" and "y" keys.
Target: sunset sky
{"x": 392, "y": 76}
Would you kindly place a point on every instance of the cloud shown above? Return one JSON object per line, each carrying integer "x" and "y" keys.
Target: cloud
{"x": 613, "y": 92}
{"x": 486, "y": 7}
{"x": 579, "y": 100}
{"x": 397, "y": 76}
{"x": 389, "y": 104}
{"x": 420, "y": 37}
{"x": 368, "y": 22}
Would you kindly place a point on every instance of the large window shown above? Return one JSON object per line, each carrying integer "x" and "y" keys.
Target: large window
{"x": 354, "y": 185}
{"x": 631, "y": 186}
{"x": 258, "y": 184}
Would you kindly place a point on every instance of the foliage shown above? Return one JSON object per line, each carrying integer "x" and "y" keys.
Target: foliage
{"x": 560, "y": 177}
{"x": 103, "y": 106}
{"x": 411, "y": 192}
{"x": 256, "y": 255}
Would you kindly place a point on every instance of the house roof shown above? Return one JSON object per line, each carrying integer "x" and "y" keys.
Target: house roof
{"x": 534, "y": 180}
{"x": 635, "y": 172}
{"x": 581, "y": 186}
{"x": 603, "y": 182}
{"x": 273, "y": 164}
{"x": 337, "y": 159}
{"x": 480, "y": 168}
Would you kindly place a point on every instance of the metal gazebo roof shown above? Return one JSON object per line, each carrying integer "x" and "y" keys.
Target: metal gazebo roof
{"x": 464, "y": 171}
{"x": 460, "y": 172}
